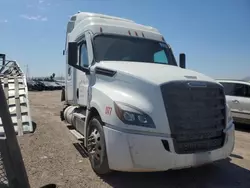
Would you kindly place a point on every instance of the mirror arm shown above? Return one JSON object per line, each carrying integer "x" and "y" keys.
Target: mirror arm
{"x": 86, "y": 70}
{"x": 83, "y": 69}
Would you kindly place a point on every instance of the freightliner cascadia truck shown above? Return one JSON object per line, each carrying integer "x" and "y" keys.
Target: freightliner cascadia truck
{"x": 137, "y": 110}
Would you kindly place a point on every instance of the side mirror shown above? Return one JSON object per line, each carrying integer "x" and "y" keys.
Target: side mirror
{"x": 72, "y": 54}
{"x": 73, "y": 57}
{"x": 182, "y": 60}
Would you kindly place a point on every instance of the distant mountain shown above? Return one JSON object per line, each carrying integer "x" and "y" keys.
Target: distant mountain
{"x": 247, "y": 78}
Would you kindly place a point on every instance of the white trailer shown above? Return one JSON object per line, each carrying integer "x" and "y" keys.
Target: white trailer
{"x": 137, "y": 110}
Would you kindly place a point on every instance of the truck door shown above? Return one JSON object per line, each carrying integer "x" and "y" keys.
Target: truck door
{"x": 230, "y": 95}
{"x": 238, "y": 98}
{"x": 85, "y": 60}
{"x": 247, "y": 101}
{"x": 70, "y": 83}
{"x": 244, "y": 101}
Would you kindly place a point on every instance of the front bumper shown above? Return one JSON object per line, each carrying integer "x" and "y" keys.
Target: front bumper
{"x": 145, "y": 153}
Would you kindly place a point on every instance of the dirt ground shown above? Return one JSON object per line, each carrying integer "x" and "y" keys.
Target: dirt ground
{"x": 51, "y": 157}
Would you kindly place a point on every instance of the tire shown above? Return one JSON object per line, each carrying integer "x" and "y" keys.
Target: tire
{"x": 96, "y": 147}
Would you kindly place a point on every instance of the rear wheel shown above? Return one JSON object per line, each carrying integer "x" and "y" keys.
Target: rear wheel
{"x": 96, "y": 147}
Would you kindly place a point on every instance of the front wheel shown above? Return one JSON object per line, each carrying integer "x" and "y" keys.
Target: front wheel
{"x": 96, "y": 147}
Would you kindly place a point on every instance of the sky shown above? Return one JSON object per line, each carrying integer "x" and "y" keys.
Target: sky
{"x": 214, "y": 34}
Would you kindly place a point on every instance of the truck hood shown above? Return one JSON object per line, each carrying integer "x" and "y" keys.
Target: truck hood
{"x": 154, "y": 73}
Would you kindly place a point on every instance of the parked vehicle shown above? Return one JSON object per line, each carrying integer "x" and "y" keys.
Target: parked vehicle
{"x": 58, "y": 86}
{"x": 35, "y": 86}
{"x": 61, "y": 84}
{"x": 137, "y": 110}
{"x": 40, "y": 85}
{"x": 238, "y": 98}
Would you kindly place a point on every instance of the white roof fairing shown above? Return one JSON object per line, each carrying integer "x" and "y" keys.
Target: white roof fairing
{"x": 83, "y": 15}
{"x": 83, "y": 21}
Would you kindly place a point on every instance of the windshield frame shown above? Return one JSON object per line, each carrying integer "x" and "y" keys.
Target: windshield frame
{"x": 171, "y": 55}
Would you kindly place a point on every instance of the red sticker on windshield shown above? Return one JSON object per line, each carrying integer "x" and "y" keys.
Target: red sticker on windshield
{"x": 108, "y": 110}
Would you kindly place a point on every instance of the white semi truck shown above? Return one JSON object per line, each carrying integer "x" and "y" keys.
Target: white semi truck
{"x": 137, "y": 110}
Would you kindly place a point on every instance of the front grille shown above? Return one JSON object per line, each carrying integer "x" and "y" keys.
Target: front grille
{"x": 196, "y": 115}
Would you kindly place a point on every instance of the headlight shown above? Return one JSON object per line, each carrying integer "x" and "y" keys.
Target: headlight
{"x": 132, "y": 116}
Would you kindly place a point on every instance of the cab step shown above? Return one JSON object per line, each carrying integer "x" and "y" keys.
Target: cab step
{"x": 76, "y": 134}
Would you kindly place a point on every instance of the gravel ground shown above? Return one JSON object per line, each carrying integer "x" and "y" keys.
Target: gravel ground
{"x": 51, "y": 157}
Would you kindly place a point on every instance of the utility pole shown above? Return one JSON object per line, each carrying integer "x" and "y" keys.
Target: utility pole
{"x": 27, "y": 72}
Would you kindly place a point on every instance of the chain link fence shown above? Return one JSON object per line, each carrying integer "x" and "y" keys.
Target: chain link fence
{"x": 12, "y": 169}
{"x": 3, "y": 176}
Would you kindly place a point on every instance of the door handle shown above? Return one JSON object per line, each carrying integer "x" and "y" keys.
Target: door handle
{"x": 235, "y": 101}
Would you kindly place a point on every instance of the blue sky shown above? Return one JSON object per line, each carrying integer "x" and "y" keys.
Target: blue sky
{"x": 215, "y": 34}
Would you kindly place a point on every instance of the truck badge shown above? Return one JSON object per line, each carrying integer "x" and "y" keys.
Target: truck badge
{"x": 108, "y": 110}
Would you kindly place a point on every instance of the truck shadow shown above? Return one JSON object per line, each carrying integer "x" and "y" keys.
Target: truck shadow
{"x": 81, "y": 149}
{"x": 219, "y": 174}
{"x": 242, "y": 127}
{"x": 34, "y": 126}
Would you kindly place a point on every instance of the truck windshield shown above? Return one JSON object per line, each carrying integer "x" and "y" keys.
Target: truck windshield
{"x": 123, "y": 48}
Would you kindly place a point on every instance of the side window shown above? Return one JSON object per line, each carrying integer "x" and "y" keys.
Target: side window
{"x": 160, "y": 57}
{"x": 228, "y": 88}
{"x": 84, "y": 55}
{"x": 240, "y": 90}
{"x": 247, "y": 91}
{"x": 234, "y": 89}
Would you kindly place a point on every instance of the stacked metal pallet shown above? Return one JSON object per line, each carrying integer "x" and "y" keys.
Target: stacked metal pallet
{"x": 15, "y": 88}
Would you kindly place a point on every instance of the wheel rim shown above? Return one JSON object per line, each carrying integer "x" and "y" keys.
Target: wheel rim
{"x": 94, "y": 146}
